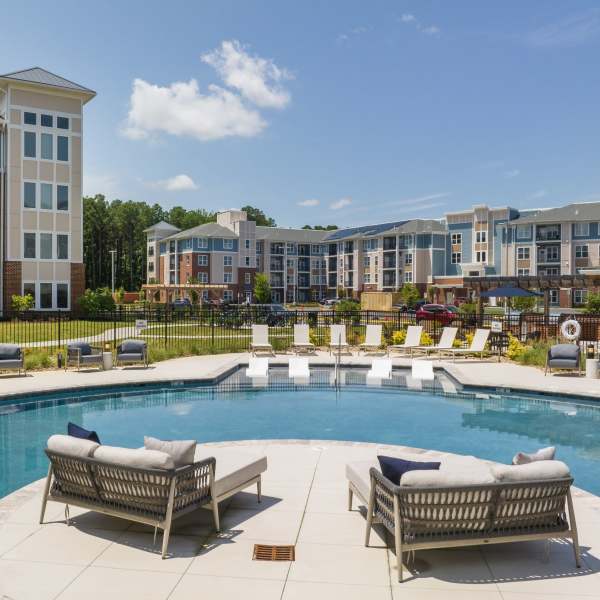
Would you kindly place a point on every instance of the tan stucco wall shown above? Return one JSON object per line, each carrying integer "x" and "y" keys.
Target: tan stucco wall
{"x": 46, "y": 171}
{"x": 45, "y": 101}
{"x": 30, "y": 170}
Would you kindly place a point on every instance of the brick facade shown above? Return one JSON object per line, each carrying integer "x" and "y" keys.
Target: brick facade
{"x": 12, "y": 282}
{"x": 77, "y": 283}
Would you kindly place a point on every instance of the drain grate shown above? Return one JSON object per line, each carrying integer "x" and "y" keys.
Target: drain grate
{"x": 269, "y": 552}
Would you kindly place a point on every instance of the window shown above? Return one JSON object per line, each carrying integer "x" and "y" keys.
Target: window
{"x": 150, "y": 267}
{"x": 291, "y": 248}
{"x": 62, "y": 148}
{"x": 150, "y": 250}
{"x": 62, "y": 295}
{"x": 247, "y": 278}
{"x": 62, "y": 197}
{"x": 456, "y": 239}
{"x": 29, "y": 245}
{"x": 203, "y": 277}
{"x": 367, "y": 277}
{"x": 46, "y": 196}
{"x": 227, "y": 296}
{"x": 481, "y": 256}
{"x": 45, "y": 295}
{"x": 408, "y": 259}
{"x": 408, "y": 276}
{"x": 227, "y": 244}
{"x": 46, "y": 146}
{"x": 29, "y": 290}
{"x": 523, "y": 253}
{"x": 62, "y": 246}
{"x": 187, "y": 260}
{"x": 62, "y": 122}
{"x": 582, "y": 229}
{"x": 46, "y": 246}
{"x": 227, "y": 277}
{"x": 523, "y": 232}
{"x": 456, "y": 258}
{"x": 29, "y": 144}
{"x": 205, "y": 296}
{"x": 366, "y": 261}
{"x": 369, "y": 245}
{"x": 203, "y": 260}
{"x": 552, "y": 253}
{"x": 317, "y": 249}
{"x": 581, "y": 251}
{"x": 580, "y": 297}
{"x": 481, "y": 237}
{"x": 523, "y": 272}
{"x": 29, "y": 194}
{"x": 247, "y": 244}
{"x": 202, "y": 242}
{"x": 30, "y": 118}
{"x": 46, "y": 120}
{"x": 247, "y": 261}
{"x": 227, "y": 261}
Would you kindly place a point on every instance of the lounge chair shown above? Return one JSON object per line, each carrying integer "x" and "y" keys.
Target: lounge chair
{"x": 83, "y": 355}
{"x": 477, "y": 345}
{"x": 131, "y": 352}
{"x": 412, "y": 341}
{"x": 12, "y": 357}
{"x": 422, "y": 370}
{"x": 372, "y": 339}
{"x": 446, "y": 341}
{"x": 260, "y": 340}
{"x": 563, "y": 356}
{"x": 302, "y": 339}
{"x": 467, "y": 502}
{"x": 298, "y": 369}
{"x": 381, "y": 368}
{"x": 338, "y": 338}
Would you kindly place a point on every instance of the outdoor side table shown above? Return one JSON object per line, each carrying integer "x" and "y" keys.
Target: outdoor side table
{"x": 107, "y": 361}
{"x": 591, "y": 368}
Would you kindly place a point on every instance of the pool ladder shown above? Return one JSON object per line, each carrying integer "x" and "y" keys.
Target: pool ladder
{"x": 338, "y": 359}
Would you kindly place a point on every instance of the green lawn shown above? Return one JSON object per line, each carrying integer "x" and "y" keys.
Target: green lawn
{"x": 17, "y": 331}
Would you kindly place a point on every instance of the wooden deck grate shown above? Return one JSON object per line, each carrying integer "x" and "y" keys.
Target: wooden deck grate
{"x": 270, "y": 552}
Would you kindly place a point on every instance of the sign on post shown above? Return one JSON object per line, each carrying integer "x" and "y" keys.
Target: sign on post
{"x": 496, "y": 327}
{"x": 141, "y": 324}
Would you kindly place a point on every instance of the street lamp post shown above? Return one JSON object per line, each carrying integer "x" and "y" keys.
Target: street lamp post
{"x": 112, "y": 269}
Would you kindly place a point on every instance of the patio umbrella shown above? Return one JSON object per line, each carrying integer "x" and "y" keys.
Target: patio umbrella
{"x": 509, "y": 292}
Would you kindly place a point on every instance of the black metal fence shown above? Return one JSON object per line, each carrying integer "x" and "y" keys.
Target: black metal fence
{"x": 207, "y": 330}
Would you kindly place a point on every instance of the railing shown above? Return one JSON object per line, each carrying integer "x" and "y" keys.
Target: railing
{"x": 206, "y": 330}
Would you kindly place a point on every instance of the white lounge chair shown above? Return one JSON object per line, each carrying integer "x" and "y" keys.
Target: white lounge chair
{"x": 338, "y": 338}
{"x": 446, "y": 341}
{"x": 302, "y": 339}
{"x": 412, "y": 341}
{"x": 381, "y": 368}
{"x": 258, "y": 367}
{"x": 298, "y": 369}
{"x": 372, "y": 338}
{"x": 422, "y": 370}
{"x": 477, "y": 345}
{"x": 260, "y": 340}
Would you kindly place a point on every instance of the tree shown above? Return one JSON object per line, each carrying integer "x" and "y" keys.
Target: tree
{"x": 410, "y": 294}
{"x": 262, "y": 289}
{"x": 255, "y": 214}
{"x": 593, "y": 303}
{"x": 22, "y": 303}
{"x": 321, "y": 227}
{"x": 95, "y": 301}
{"x": 524, "y": 304}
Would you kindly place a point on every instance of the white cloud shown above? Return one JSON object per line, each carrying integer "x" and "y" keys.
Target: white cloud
{"x": 96, "y": 183}
{"x": 512, "y": 173}
{"x": 411, "y": 20}
{"x": 309, "y": 202}
{"x": 573, "y": 30}
{"x": 417, "y": 201}
{"x": 257, "y": 79}
{"x": 180, "y": 109}
{"x": 431, "y": 30}
{"x": 407, "y": 18}
{"x": 354, "y": 32}
{"x": 178, "y": 183}
{"x": 341, "y": 203}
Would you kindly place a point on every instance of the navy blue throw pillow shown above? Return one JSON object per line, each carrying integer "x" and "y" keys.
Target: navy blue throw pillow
{"x": 393, "y": 468}
{"x": 79, "y": 432}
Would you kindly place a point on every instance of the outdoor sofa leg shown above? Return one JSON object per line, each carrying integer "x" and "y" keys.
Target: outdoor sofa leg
{"x": 349, "y": 498}
{"x": 573, "y": 526}
{"x": 213, "y": 499}
{"x": 46, "y": 492}
{"x": 398, "y": 537}
{"x": 259, "y": 490}
{"x": 168, "y": 519}
{"x": 370, "y": 510}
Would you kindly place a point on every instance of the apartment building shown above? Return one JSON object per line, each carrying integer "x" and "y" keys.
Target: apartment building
{"x": 41, "y": 128}
{"x": 553, "y": 249}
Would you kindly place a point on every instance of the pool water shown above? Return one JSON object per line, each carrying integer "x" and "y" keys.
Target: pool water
{"x": 488, "y": 426}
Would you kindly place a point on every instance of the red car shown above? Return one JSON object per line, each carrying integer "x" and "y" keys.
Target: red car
{"x": 436, "y": 312}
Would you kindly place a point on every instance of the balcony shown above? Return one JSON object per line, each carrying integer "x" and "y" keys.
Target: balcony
{"x": 389, "y": 261}
{"x": 276, "y": 264}
{"x": 547, "y": 233}
{"x": 389, "y": 243}
{"x": 548, "y": 255}
{"x": 389, "y": 279}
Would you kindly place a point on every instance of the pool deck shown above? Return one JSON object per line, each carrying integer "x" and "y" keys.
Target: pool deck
{"x": 468, "y": 372}
{"x": 304, "y": 503}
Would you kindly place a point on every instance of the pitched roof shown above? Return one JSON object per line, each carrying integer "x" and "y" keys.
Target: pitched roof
{"x": 364, "y": 231}
{"x": 161, "y": 226}
{"x": 205, "y": 230}
{"x": 43, "y": 77}
{"x": 423, "y": 226}
{"x": 282, "y": 234}
{"x": 583, "y": 211}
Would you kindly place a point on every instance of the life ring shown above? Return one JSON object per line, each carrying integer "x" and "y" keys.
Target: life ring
{"x": 571, "y": 330}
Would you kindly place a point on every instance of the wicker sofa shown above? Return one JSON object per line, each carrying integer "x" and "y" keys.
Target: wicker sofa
{"x": 505, "y": 506}
{"x": 155, "y": 495}
{"x": 12, "y": 357}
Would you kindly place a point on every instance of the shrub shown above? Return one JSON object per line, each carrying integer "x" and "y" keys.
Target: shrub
{"x": 95, "y": 301}
{"x": 410, "y": 294}
{"x": 467, "y": 308}
{"x": 399, "y": 338}
{"x": 22, "y": 303}
{"x": 262, "y": 289}
{"x": 515, "y": 348}
{"x": 592, "y": 306}
{"x": 525, "y": 304}
{"x": 38, "y": 359}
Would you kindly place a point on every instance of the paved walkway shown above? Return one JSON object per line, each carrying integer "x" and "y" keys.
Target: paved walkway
{"x": 305, "y": 503}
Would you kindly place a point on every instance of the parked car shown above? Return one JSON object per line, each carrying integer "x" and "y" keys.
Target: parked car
{"x": 436, "y": 312}
{"x": 329, "y": 302}
{"x": 181, "y": 303}
{"x": 405, "y": 308}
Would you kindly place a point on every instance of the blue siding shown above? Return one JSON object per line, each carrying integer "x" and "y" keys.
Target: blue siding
{"x": 218, "y": 246}
{"x": 594, "y": 232}
{"x": 498, "y": 235}
{"x": 423, "y": 241}
{"x": 438, "y": 261}
{"x": 466, "y": 229}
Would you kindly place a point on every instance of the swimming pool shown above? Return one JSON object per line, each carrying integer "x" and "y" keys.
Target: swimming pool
{"x": 493, "y": 426}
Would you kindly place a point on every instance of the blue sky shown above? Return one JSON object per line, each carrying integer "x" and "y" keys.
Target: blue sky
{"x": 328, "y": 112}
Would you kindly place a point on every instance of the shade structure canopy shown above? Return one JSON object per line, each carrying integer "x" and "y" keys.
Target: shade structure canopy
{"x": 510, "y": 292}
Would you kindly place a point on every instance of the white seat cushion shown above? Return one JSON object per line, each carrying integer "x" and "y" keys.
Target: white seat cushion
{"x": 454, "y": 471}
{"x": 234, "y": 466}
{"x": 72, "y": 446}
{"x": 134, "y": 457}
{"x": 535, "y": 471}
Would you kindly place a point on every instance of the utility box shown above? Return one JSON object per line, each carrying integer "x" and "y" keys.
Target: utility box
{"x": 379, "y": 300}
